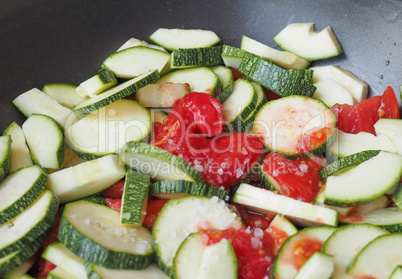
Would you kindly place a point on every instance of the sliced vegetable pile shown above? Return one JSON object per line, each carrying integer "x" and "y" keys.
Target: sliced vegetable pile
{"x": 190, "y": 160}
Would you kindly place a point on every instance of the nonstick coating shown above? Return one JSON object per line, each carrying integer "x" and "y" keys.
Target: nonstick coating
{"x": 66, "y": 40}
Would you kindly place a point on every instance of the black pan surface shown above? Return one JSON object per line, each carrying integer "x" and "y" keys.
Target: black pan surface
{"x": 66, "y": 41}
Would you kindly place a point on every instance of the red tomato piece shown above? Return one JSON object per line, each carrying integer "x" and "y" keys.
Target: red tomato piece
{"x": 304, "y": 249}
{"x": 253, "y": 251}
{"x": 254, "y": 219}
{"x": 317, "y": 137}
{"x": 114, "y": 204}
{"x": 115, "y": 191}
{"x": 44, "y": 267}
{"x": 278, "y": 237}
{"x": 237, "y": 74}
{"x": 362, "y": 116}
{"x": 298, "y": 179}
{"x": 153, "y": 209}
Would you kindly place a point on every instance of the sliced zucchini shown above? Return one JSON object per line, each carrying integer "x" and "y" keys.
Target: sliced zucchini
{"x": 320, "y": 198}
{"x": 282, "y": 58}
{"x": 347, "y": 144}
{"x": 232, "y": 56}
{"x": 397, "y": 197}
{"x": 5, "y": 156}
{"x": 365, "y": 182}
{"x": 94, "y": 233}
{"x": 19, "y": 190}
{"x": 396, "y": 273}
{"x": 64, "y": 93}
{"x": 318, "y": 266}
{"x": 298, "y": 212}
{"x": 284, "y": 82}
{"x": 157, "y": 115}
{"x": 59, "y": 273}
{"x": 388, "y": 127}
{"x": 288, "y": 125}
{"x": 302, "y": 40}
{"x": 172, "y": 189}
{"x": 116, "y": 93}
{"x": 22, "y": 231}
{"x": 378, "y": 258}
{"x": 357, "y": 87}
{"x": 70, "y": 158}
{"x": 135, "y": 198}
{"x": 133, "y": 42}
{"x": 180, "y": 217}
{"x": 196, "y": 57}
{"x": 378, "y": 203}
{"x": 292, "y": 256}
{"x": 20, "y": 156}
{"x": 45, "y": 140}
{"x": 8, "y": 262}
{"x": 226, "y": 77}
{"x": 240, "y": 104}
{"x": 59, "y": 255}
{"x": 35, "y": 101}
{"x": 19, "y": 272}
{"x": 150, "y": 272}
{"x": 103, "y": 80}
{"x": 346, "y": 242}
{"x": 158, "y": 163}
{"x": 196, "y": 260}
{"x": 331, "y": 93}
{"x": 161, "y": 95}
{"x": 136, "y": 61}
{"x": 86, "y": 178}
{"x": 389, "y": 219}
{"x": 200, "y": 79}
{"x": 347, "y": 162}
{"x": 280, "y": 229}
{"x": 172, "y": 39}
{"x": 108, "y": 129}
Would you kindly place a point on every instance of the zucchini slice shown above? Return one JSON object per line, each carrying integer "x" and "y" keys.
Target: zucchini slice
{"x": 285, "y": 82}
{"x": 103, "y": 80}
{"x": 19, "y": 190}
{"x": 364, "y": 182}
{"x": 196, "y": 260}
{"x": 20, "y": 156}
{"x": 232, "y": 56}
{"x": 180, "y": 217}
{"x": 346, "y": 242}
{"x": 295, "y": 125}
{"x": 280, "y": 229}
{"x": 319, "y": 265}
{"x": 58, "y": 273}
{"x": 172, "y": 189}
{"x": 135, "y": 198}
{"x": 133, "y": 42}
{"x": 347, "y": 162}
{"x": 288, "y": 261}
{"x": 150, "y": 272}
{"x": 161, "y": 95}
{"x": 200, "y": 79}
{"x": 94, "y": 233}
{"x": 172, "y": 39}
{"x": 64, "y": 93}
{"x": 282, "y": 58}
{"x": 45, "y": 140}
{"x": 302, "y": 40}
{"x": 136, "y": 61}
{"x": 298, "y": 212}
{"x": 86, "y": 178}
{"x": 19, "y": 272}
{"x": 331, "y": 93}
{"x": 116, "y": 93}
{"x": 27, "y": 228}
{"x": 226, "y": 77}
{"x": 5, "y": 156}
{"x": 108, "y": 129}
{"x": 397, "y": 273}
{"x": 196, "y": 57}
{"x": 378, "y": 258}
{"x": 156, "y": 162}
{"x": 35, "y": 101}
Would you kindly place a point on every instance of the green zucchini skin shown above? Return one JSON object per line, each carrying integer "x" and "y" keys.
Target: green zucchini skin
{"x": 5, "y": 163}
{"x": 195, "y": 57}
{"x": 186, "y": 188}
{"x": 282, "y": 81}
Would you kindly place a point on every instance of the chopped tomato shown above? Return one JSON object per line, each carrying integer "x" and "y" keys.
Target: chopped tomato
{"x": 253, "y": 251}
{"x": 254, "y": 219}
{"x": 362, "y": 116}
{"x": 153, "y": 209}
{"x": 115, "y": 191}
{"x": 44, "y": 267}
{"x": 224, "y": 159}
{"x": 304, "y": 249}
{"x": 311, "y": 141}
{"x": 298, "y": 179}
{"x": 237, "y": 74}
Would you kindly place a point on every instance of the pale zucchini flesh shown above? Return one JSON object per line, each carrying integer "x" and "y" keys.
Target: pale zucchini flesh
{"x": 63, "y": 93}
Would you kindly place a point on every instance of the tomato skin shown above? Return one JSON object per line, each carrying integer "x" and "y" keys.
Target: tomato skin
{"x": 304, "y": 249}
{"x": 298, "y": 179}
{"x": 114, "y": 204}
{"x": 115, "y": 191}
{"x": 153, "y": 209}
{"x": 362, "y": 116}
{"x": 237, "y": 74}
{"x": 44, "y": 267}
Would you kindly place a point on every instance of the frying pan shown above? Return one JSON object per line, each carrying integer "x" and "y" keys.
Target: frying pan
{"x": 66, "y": 41}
